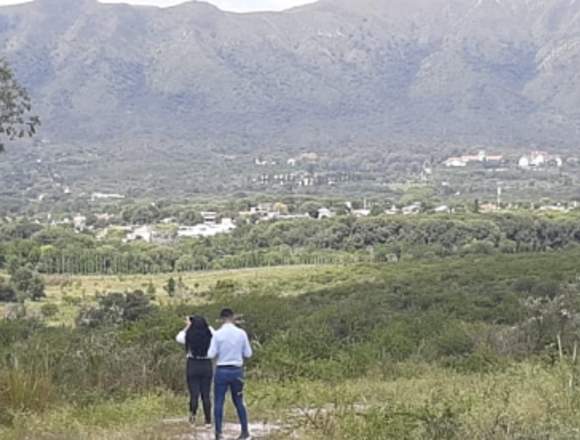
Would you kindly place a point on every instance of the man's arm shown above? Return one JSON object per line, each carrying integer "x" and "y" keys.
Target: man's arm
{"x": 247, "y": 347}
{"x": 213, "y": 349}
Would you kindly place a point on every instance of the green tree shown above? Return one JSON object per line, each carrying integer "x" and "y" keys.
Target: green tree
{"x": 27, "y": 284}
{"x": 376, "y": 210}
{"x": 15, "y": 107}
{"x": 185, "y": 263}
{"x": 190, "y": 217}
{"x": 170, "y": 287}
{"x": 145, "y": 214}
{"x": 311, "y": 208}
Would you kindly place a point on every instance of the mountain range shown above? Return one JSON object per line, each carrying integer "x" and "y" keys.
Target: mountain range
{"x": 337, "y": 72}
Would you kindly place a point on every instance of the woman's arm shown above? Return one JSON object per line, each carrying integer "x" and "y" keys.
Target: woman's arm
{"x": 182, "y": 335}
{"x": 180, "y": 338}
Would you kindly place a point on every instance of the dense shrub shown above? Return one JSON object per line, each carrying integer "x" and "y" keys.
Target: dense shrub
{"x": 27, "y": 284}
{"x": 116, "y": 308}
{"x": 49, "y": 310}
{"x": 7, "y": 293}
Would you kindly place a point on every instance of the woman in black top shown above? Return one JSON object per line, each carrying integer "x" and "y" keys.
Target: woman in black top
{"x": 196, "y": 337}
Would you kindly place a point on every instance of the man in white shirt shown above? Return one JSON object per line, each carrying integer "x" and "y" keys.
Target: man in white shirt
{"x": 229, "y": 347}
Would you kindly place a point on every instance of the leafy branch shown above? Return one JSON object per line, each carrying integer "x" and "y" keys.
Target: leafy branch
{"x": 15, "y": 107}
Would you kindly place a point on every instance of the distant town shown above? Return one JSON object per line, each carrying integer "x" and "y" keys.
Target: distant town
{"x": 213, "y": 223}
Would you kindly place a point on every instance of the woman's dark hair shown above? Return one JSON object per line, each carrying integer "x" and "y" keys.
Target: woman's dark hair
{"x": 198, "y": 337}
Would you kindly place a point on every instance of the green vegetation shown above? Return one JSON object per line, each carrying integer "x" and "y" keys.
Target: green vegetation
{"x": 15, "y": 120}
{"x": 23, "y": 285}
{"x": 343, "y": 239}
{"x": 482, "y": 347}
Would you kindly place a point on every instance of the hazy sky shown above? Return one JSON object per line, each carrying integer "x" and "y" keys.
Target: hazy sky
{"x": 229, "y": 5}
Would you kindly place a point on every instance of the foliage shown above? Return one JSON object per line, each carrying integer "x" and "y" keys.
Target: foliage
{"x": 49, "y": 310}
{"x": 54, "y": 250}
{"x": 15, "y": 107}
{"x": 7, "y": 293}
{"x": 450, "y": 335}
{"x": 116, "y": 308}
{"x": 27, "y": 284}
{"x": 170, "y": 287}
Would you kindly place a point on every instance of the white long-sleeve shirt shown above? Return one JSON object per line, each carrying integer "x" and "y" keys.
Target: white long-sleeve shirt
{"x": 230, "y": 346}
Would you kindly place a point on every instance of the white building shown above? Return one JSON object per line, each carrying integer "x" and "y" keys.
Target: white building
{"x": 207, "y": 229}
{"x": 524, "y": 162}
{"x": 455, "y": 162}
{"x": 325, "y": 213}
{"x": 538, "y": 159}
{"x": 441, "y": 209}
{"x": 415, "y": 208}
{"x": 80, "y": 222}
{"x": 279, "y": 216}
{"x": 481, "y": 157}
{"x": 143, "y": 233}
{"x": 209, "y": 217}
{"x": 98, "y": 196}
{"x": 361, "y": 212}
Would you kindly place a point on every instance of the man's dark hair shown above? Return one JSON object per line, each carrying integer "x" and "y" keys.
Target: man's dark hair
{"x": 227, "y": 314}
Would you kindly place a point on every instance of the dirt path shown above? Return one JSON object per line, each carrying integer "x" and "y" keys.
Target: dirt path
{"x": 185, "y": 431}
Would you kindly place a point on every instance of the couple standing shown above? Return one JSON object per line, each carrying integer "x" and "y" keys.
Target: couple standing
{"x": 227, "y": 347}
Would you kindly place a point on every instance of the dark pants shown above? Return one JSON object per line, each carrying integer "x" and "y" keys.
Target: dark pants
{"x": 199, "y": 376}
{"x": 229, "y": 379}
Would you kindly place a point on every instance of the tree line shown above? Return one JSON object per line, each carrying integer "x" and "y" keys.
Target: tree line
{"x": 60, "y": 250}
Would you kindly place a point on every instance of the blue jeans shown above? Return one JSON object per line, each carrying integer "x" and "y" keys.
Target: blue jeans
{"x": 232, "y": 379}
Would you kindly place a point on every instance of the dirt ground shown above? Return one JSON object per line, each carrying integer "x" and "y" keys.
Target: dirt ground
{"x": 231, "y": 431}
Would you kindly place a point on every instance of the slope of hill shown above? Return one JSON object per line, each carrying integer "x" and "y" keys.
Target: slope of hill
{"x": 194, "y": 79}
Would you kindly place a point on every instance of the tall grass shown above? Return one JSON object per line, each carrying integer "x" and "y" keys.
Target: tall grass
{"x": 527, "y": 401}
{"x": 139, "y": 417}
{"x": 22, "y": 391}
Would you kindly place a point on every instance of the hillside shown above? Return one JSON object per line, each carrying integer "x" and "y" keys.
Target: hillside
{"x": 439, "y": 349}
{"x": 149, "y": 89}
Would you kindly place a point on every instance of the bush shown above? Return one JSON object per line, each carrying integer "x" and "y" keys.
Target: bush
{"x": 116, "y": 308}
{"x": 7, "y": 293}
{"x": 27, "y": 284}
{"x": 49, "y": 310}
{"x": 454, "y": 340}
{"x": 546, "y": 289}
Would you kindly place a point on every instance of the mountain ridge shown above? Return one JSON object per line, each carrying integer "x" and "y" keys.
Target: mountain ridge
{"x": 328, "y": 73}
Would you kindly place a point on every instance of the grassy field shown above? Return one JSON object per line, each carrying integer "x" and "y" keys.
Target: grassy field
{"x": 71, "y": 292}
{"x": 286, "y": 280}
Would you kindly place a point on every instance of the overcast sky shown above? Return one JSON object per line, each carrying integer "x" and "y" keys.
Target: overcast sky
{"x": 229, "y": 5}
